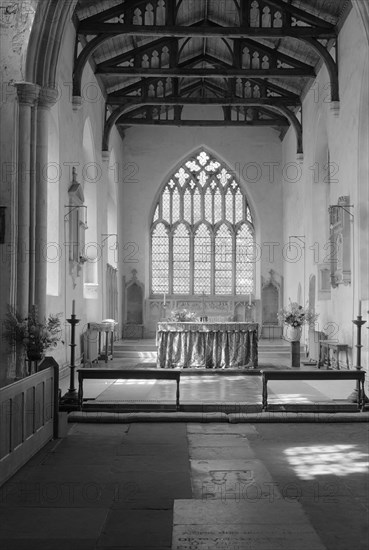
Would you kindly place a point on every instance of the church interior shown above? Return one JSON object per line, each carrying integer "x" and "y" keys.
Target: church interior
{"x": 184, "y": 198}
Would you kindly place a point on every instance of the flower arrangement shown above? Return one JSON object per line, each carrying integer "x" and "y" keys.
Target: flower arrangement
{"x": 296, "y": 315}
{"x": 183, "y": 315}
{"x": 33, "y": 334}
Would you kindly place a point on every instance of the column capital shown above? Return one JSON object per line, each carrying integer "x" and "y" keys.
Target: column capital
{"x": 27, "y": 92}
{"x": 47, "y": 97}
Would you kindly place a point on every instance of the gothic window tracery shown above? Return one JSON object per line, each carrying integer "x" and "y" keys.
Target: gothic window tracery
{"x": 202, "y": 232}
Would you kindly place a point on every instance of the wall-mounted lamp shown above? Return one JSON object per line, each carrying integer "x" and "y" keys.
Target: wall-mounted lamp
{"x": 72, "y": 208}
{"x": 106, "y": 237}
{"x": 2, "y": 224}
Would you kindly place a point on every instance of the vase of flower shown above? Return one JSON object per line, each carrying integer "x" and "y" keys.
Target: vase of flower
{"x": 292, "y": 334}
{"x": 34, "y": 354}
{"x": 30, "y": 335}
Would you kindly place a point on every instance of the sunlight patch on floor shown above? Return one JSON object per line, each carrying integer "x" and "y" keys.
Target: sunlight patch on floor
{"x": 338, "y": 460}
{"x": 289, "y": 398}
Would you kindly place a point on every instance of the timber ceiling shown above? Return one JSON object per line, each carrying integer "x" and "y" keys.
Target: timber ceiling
{"x": 245, "y": 62}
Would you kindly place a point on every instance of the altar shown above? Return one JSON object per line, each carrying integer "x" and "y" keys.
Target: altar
{"x": 207, "y": 345}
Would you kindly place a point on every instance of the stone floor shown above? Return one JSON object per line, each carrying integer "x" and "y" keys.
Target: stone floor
{"x": 216, "y": 482}
{"x": 203, "y": 486}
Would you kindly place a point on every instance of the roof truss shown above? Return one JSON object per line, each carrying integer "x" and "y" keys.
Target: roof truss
{"x": 253, "y": 63}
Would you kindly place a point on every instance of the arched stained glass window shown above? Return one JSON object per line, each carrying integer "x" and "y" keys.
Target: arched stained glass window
{"x": 202, "y": 232}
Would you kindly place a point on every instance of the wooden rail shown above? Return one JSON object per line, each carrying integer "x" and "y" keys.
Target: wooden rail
{"x": 358, "y": 375}
{"x": 116, "y": 374}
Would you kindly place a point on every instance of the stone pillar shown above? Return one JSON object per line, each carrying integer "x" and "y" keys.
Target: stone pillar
{"x": 27, "y": 95}
{"x": 47, "y": 98}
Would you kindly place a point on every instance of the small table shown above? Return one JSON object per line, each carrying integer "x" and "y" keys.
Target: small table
{"x": 324, "y": 352}
{"x": 108, "y": 329}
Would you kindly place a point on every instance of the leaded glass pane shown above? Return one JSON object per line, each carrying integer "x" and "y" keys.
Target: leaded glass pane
{"x": 197, "y": 214}
{"x": 156, "y": 215}
{"x": 165, "y": 201}
{"x": 176, "y": 206}
{"x": 238, "y": 206}
{"x": 203, "y": 158}
{"x": 203, "y": 178}
{"x": 217, "y": 206}
{"x": 160, "y": 259}
{"x": 229, "y": 206}
{"x": 187, "y": 206}
{"x": 181, "y": 260}
{"x": 193, "y": 166}
{"x": 202, "y": 260}
{"x": 208, "y": 206}
{"x": 223, "y": 177}
{"x": 182, "y": 176}
{"x": 248, "y": 215}
{"x": 223, "y": 261}
{"x": 244, "y": 261}
{"x": 212, "y": 166}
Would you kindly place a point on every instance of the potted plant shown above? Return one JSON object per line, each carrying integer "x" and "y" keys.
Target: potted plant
{"x": 293, "y": 317}
{"x": 34, "y": 335}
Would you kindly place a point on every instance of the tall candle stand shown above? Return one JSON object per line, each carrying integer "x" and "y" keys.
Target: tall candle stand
{"x": 358, "y": 322}
{"x": 70, "y": 399}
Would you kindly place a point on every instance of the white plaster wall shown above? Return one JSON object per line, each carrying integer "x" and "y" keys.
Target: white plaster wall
{"x": 71, "y": 153}
{"x": 300, "y": 217}
{"x": 152, "y": 153}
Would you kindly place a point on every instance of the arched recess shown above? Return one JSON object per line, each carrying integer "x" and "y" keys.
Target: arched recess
{"x": 363, "y": 186}
{"x": 91, "y": 174}
{"x": 110, "y": 240}
{"x": 112, "y": 207}
{"x": 53, "y": 205}
{"x": 322, "y": 173}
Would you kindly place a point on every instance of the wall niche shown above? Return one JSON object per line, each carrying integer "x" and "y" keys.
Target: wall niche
{"x": 134, "y": 303}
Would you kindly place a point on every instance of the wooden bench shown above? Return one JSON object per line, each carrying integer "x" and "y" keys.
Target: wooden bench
{"x": 358, "y": 375}
{"x": 116, "y": 374}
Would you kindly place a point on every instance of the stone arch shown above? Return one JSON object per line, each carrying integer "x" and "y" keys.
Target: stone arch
{"x": 46, "y": 40}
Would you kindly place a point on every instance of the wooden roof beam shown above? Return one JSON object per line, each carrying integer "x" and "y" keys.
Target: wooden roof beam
{"x": 230, "y": 72}
{"x": 142, "y": 122}
{"x": 170, "y": 100}
{"x": 204, "y": 31}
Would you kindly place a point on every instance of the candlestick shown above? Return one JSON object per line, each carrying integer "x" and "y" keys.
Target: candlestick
{"x": 358, "y": 395}
{"x": 73, "y": 307}
{"x": 164, "y": 299}
{"x": 249, "y": 299}
{"x": 69, "y": 401}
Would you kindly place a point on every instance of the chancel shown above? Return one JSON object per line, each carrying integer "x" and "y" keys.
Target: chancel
{"x": 184, "y": 243}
